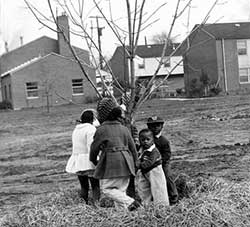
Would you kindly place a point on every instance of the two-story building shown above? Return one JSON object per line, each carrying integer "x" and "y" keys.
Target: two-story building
{"x": 221, "y": 51}
{"x": 146, "y": 61}
{"x": 43, "y": 72}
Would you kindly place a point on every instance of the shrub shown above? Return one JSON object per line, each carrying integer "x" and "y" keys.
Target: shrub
{"x": 196, "y": 90}
{"x": 215, "y": 90}
{"x": 5, "y": 105}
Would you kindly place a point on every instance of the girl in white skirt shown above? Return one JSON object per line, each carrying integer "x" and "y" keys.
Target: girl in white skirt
{"x": 78, "y": 162}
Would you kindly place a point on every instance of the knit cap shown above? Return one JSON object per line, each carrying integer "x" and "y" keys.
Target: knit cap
{"x": 104, "y": 107}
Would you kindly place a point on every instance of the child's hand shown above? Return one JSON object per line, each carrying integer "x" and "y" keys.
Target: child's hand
{"x": 137, "y": 164}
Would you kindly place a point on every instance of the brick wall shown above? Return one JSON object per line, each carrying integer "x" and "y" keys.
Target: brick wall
{"x": 53, "y": 71}
{"x": 200, "y": 57}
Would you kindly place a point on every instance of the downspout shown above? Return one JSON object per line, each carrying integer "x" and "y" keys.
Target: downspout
{"x": 224, "y": 63}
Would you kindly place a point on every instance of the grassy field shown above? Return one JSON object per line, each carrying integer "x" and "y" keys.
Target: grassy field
{"x": 210, "y": 139}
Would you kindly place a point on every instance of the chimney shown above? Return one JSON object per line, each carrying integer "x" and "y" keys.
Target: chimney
{"x": 6, "y": 46}
{"x": 63, "y": 26}
{"x": 21, "y": 40}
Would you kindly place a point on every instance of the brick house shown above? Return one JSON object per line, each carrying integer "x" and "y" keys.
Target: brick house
{"x": 146, "y": 61}
{"x": 221, "y": 52}
{"x": 43, "y": 71}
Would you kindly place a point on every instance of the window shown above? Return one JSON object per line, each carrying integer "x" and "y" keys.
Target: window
{"x": 244, "y": 75}
{"x": 242, "y": 47}
{"x": 141, "y": 65}
{"x": 166, "y": 63}
{"x": 77, "y": 86}
{"x": 32, "y": 90}
{"x": 10, "y": 95}
{"x": 5, "y": 92}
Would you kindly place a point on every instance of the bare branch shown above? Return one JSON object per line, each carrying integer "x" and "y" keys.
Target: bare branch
{"x": 144, "y": 96}
{"x": 73, "y": 51}
{"x": 184, "y": 8}
{"x": 33, "y": 9}
{"x": 68, "y": 100}
{"x": 153, "y": 13}
{"x": 107, "y": 21}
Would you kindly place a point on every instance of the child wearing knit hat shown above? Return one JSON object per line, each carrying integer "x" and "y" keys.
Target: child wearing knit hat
{"x": 104, "y": 107}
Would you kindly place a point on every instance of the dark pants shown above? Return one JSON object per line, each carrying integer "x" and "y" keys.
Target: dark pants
{"x": 131, "y": 187}
{"x": 172, "y": 190}
{"x": 84, "y": 181}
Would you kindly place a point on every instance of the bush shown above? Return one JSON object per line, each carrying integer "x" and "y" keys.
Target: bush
{"x": 196, "y": 90}
{"x": 215, "y": 90}
{"x": 5, "y": 105}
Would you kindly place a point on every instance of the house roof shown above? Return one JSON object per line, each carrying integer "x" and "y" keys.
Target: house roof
{"x": 152, "y": 50}
{"x": 237, "y": 30}
{"x": 29, "y": 43}
{"x": 28, "y": 63}
{"x": 21, "y": 66}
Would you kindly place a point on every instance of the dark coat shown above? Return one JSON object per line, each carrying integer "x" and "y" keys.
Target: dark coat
{"x": 149, "y": 159}
{"x": 118, "y": 152}
{"x": 163, "y": 145}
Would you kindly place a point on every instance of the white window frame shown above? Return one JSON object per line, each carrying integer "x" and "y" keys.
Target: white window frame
{"x": 242, "y": 47}
{"x": 76, "y": 84}
{"x": 31, "y": 87}
{"x": 248, "y": 75}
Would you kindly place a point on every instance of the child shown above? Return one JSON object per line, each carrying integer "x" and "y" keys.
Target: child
{"x": 79, "y": 163}
{"x": 117, "y": 159}
{"x": 155, "y": 124}
{"x": 152, "y": 183}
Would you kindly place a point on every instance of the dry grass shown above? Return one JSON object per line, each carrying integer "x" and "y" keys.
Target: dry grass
{"x": 211, "y": 202}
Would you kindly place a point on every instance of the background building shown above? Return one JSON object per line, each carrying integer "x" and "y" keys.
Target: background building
{"x": 44, "y": 72}
{"x": 146, "y": 61}
{"x": 220, "y": 55}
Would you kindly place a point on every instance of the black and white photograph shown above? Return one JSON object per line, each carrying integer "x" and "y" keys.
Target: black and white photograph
{"x": 131, "y": 113}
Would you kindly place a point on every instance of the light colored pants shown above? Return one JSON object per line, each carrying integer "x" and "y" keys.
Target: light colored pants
{"x": 152, "y": 186}
{"x": 115, "y": 188}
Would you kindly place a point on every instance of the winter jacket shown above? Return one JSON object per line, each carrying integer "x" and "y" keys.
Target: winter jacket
{"x": 118, "y": 152}
{"x": 149, "y": 159}
{"x": 163, "y": 145}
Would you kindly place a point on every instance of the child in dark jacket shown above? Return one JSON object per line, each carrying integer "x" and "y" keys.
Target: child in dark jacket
{"x": 117, "y": 160}
{"x": 155, "y": 124}
{"x": 151, "y": 179}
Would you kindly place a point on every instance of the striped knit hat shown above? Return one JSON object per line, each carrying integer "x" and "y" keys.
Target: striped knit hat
{"x": 104, "y": 107}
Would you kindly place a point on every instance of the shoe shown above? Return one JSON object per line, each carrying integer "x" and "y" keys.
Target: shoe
{"x": 134, "y": 205}
{"x": 171, "y": 203}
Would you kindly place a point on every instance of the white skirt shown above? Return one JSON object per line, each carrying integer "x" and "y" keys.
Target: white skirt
{"x": 79, "y": 162}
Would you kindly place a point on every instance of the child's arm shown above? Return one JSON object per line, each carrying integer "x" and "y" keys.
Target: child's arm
{"x": 89, "y": 137}
{"x": 95, "y": 147}
{"x": 149, "y": 160}
{"x": 132, "y": 147}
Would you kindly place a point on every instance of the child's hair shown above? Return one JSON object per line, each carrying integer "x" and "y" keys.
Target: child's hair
{"x": 146, "y": 130}
{"x": 87, "y": 117}
{"x": 115, "y": 114}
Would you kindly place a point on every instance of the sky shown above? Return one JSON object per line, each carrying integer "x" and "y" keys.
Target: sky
{"x": 17, "y": 21}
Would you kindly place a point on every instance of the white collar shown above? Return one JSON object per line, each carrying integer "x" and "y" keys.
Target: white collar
{"x": 149, "y": 149}
{"x": 158, "y": 135}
